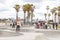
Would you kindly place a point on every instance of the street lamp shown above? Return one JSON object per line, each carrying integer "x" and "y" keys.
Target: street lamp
{"x": 17, "y": 10}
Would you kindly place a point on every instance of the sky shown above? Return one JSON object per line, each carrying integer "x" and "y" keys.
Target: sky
{"x": 7, "y": 10}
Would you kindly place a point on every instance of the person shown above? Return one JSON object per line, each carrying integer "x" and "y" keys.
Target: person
{"x": 13, "y": 26}
{"x": 37, "y": 25}
{"x": 18, "y": 26}
{"x": 46, "y": 25}
{"x": 43, "y": 25}
{"x": 40, "y": 24}
{"x": 56, "y": 26}
{"x": 10, "y": 24}
{"x": 53, "y": 25}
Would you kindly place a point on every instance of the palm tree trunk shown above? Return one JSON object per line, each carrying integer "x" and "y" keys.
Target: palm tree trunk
{"x": 24, "y": 18}
{"x": 28, "y": 17}
{"x": 59, "y": 19}
{"x": 47, "y": 14}
{"x": 16, "y": 17}
{"x": 55, "y": 18}
{"x": 31, "y": 17}
{"x": 48, "y": 18}
{"x": 45, "y": 17}
{"x": 52, "y": 16}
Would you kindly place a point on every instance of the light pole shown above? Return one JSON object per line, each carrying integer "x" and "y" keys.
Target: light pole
{"x": 17, "y": 10}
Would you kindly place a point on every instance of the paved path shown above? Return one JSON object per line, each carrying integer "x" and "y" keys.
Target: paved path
{"x": 36, "y": 34}
{"x": 41, "y": 35}
{"x": 50, "y": 35}
{"x": 25, "y": 36}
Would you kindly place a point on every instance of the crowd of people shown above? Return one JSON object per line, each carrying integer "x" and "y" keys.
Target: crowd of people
{"x": 16, "y": 25}
{"x": 38, "y": 25}
{"x": 45, "y": 25}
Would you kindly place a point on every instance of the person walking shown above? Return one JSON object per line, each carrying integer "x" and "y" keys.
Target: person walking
{"x": 53, "y": 25}
{"x": 56, "y": 25}
{"x": 18, "y": 26}
{"x": 46, "y": 25}
{"x": 13, "y": 25}
{"x": 37, "y": 25}
{"x": 40, "y": 24}
{"x": 43, "y": 25}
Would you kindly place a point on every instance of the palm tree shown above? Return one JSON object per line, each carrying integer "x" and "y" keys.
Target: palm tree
{"x": 49, "y": 16}
{"x": 32, "y": 10}
{"x": 59, "y": 17}
{"x": 58, "y": 8}
{"x": 55, "y": 16}
{"x": 27, "y": 8}
{"x": 53, "y": 11}
{"x": 47, "y": 8}
{"x": 45, "y": 15}
{"x": 17, "y": 10}
{"x": 24, "y": 9}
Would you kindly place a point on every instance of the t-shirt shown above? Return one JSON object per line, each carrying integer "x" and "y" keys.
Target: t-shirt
{"x": 18, "y": 23}
{"x": 45, "y": 23}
